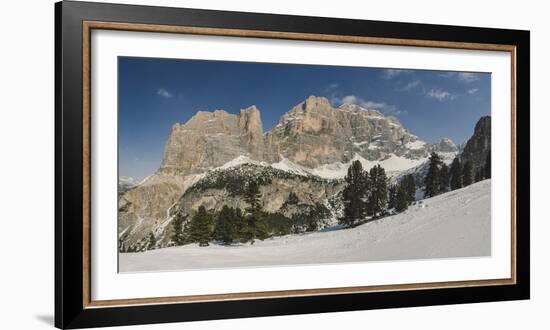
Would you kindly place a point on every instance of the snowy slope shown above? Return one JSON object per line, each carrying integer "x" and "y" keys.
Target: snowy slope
{"x": 393, "y": 165}
{"x": 239, "y": 161}
{"x": 288, "y": 166}
{"x": 455, "y": 224}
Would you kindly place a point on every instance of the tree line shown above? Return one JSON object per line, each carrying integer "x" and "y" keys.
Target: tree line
{"x": 368, "y": 194}
{"x": 441, "y": 179}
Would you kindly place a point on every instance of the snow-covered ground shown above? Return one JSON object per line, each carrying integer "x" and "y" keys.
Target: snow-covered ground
{"x": 392, "y": 165}
{"x": 455, "y": 224}
{"x": 288, "y": 166}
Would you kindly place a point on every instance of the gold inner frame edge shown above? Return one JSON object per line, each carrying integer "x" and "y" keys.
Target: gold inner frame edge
{"x": 88, "y": 26}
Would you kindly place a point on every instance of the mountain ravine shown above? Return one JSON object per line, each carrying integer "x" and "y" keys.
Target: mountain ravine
{"x": 209, "y": 159}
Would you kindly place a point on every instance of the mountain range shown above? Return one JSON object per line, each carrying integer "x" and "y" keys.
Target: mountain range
{"x": 208, "y": 160}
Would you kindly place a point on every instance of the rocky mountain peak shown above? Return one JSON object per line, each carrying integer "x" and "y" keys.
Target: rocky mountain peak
{"x": 445, "y": 145}
{"x": 250, "y": 125}
{"x": 483, "y": 126}
{"x": 311, "y": 134}
{"x": 207, "y": 120}
{"x": 479, "y": 144}
{"x": 315, "y": 103}
{"x": 212, "y": 138}
{"x": 357, "y": 109}
{"x": 250, "y": 120}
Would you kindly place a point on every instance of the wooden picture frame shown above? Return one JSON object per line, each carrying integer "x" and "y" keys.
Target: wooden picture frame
{"x": 74, "y": 306}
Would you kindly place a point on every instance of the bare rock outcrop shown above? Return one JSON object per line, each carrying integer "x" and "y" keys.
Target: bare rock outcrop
{"x": 479, "y": 145}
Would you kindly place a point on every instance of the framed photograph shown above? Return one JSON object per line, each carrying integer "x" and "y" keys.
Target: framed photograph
{"x": 218, "y": 164}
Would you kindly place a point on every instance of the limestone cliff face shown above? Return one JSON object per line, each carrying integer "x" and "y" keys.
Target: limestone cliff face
{"x": 311, "y": 134}
{"x": 479, "y": 144}
{"x": 210, "y": 139}
{"x": 143, "y": 208}
{"x": 251, "y": 128}
{"x": 314, "y": 133}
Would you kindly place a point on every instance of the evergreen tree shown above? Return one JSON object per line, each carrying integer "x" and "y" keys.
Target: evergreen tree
{"x": 312, "y": 224}
{"x": 187, "y": 232}
{"x": 392, "y": 196}
{"x": 456, "y": 174}
{"x": 226, "y": 225}
{"x": 467, "y": 174}
{"x": 200, "y": 230}
{"x": 152, "y": 241}
{"x": 178, "y": 236}
{"x": 254, "y": 226}
{"x": 240, "y": 223}
{"x": 479, "y": 175}
{"x": 402, "y": 199}
{"x": 410, "y": 188}
{"x": 432, "y": 180}
{"x": 378, "y": 196}
{"x": 444, "y": 178}
{"x": 239, "y": 217}
{"x": 487, "y": 166}
{"x": 353, "y": 195}
{"x": 253, "y": 197}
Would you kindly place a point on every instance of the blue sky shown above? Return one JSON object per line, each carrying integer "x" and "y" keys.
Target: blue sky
{"x": 156, "y": 93}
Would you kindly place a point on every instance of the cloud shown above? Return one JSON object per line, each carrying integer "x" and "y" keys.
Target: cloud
{"x": 472, "y": 91}
{"x": 351, "y": 99}
{"x": 408, "y": 86}
{"x": 466, "y": 77}
{"x": 330, "y": 88}
{"x": 375, "y": 105}
{"x": 383, "y": 107}
{"x": 440, "y": 95}
{"x": 392, "y": 73}
{"x": 164, "y": 93}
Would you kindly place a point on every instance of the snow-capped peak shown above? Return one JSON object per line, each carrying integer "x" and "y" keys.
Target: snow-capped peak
{"x": 445, "y": 145}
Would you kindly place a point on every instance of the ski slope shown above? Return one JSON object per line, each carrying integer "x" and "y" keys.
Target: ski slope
{"x": 451, "y": 225}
